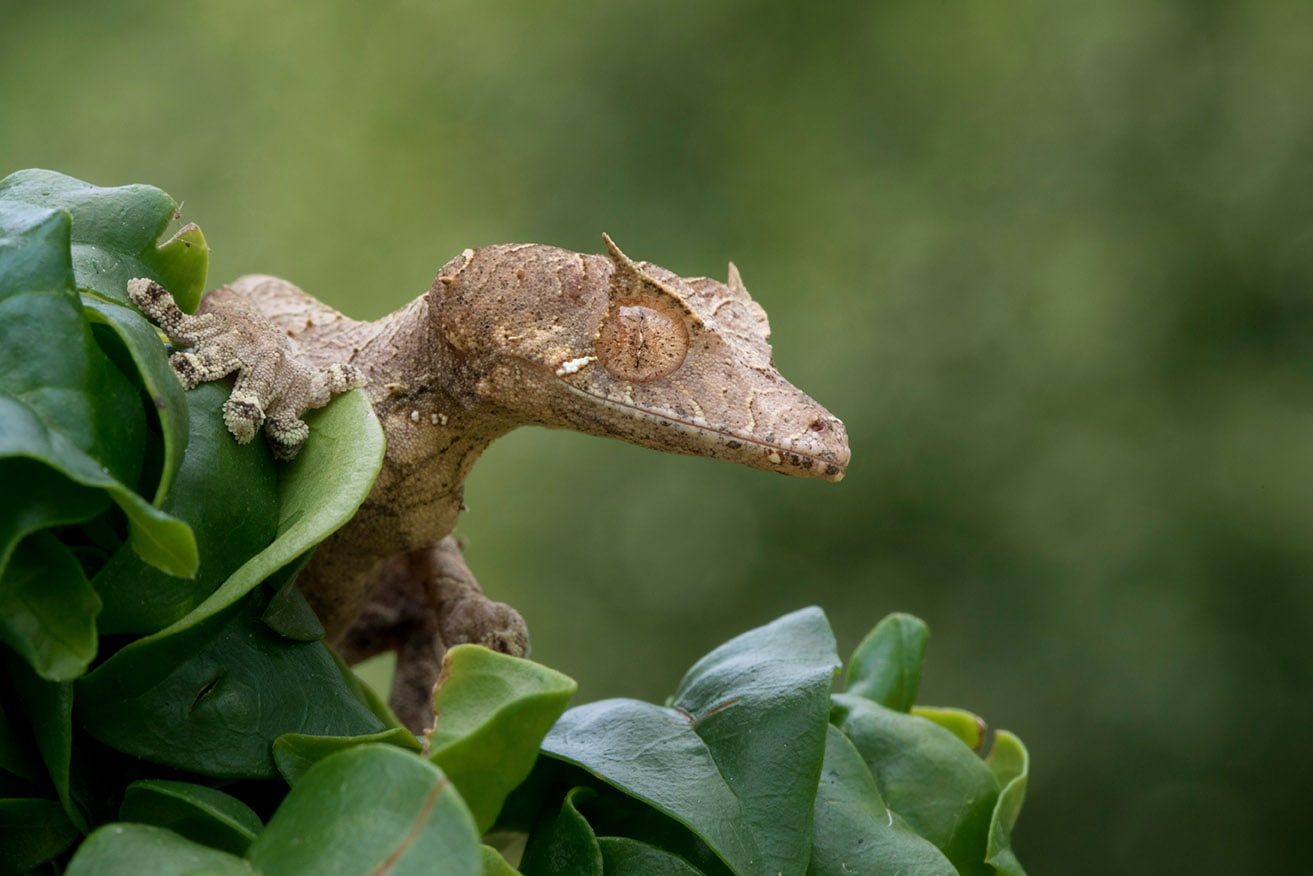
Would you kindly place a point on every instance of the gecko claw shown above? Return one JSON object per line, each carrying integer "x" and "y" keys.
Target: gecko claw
{"x": 272, "y": 386}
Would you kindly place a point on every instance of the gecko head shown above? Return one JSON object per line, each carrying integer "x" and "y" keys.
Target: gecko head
{"x": 610, "y": 346}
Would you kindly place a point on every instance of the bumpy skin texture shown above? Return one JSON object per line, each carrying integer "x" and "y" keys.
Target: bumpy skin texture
{"x": 511, "y": 335}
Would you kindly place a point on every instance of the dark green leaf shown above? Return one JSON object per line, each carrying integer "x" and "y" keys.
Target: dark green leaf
{"x": 158, "y": 538}
{"x": 161, "y": 384}
{"x": 296, "y": 753}
{"x": 234, "y": 516}
{"x": 136, "y": 849}
{"x": 855, "y": 832}
{"x": 565, "y": 842}
{"x": 32, "y": 831}
{"x": 317, "y": 493}
{"x": 235, "y": 677}
{"x": 212, "y": 698}
{"x": 622, "y": 856}
{"x": 48, "y": 609}
{"x": 746, "y": 739}
{"x": 370, "y": 809}
{"x": 48, "y": 706}
{"x": 204, "y": 815}
{"x": 493, "y": 712}
{"x": 17, "y": 755}
{"x": 290, "y": 615}
{"x": 886, "y": 667}
{"x": 116, "y": 234}
{"x": 1010, "y": 763}
{"x": 49, "y": 360}
{"x": 926, "y": 775}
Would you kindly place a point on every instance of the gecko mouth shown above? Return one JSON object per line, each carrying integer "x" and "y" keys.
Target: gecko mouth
{"x": 682, "y": 436}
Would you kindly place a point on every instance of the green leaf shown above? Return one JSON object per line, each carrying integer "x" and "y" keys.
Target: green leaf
{"x": 158, "y": 538}
{"x": 204, "y": 815}
{"x": 493, "y": 712}
{"x": 234, "y": 517}
{"x": 48, "y": 706}
{"x": 886, "y": 666}
{"x": 622, "y": 856}
{"x": 967, "y": 726}
{"x": 317, "y": 493}
{"x": 289, "y": 613}
{"x": 746, "y": 739}
{"x": 566, "y": 843}
{"x": 161, "y": 384}
{"x": 48, "y": 609}
{"x": 32, "y": 831}
{"x": 370, "y": 809}
{"x": 494, "y": 864}
{"x": 926, "y": 775}
{"x": 855, "y": 832}
{"x": 186, "y": 675}
{"x": 296, "y": 753}
{"x": 134, "y": 849}
{"x": 49, "y": 360}
{"x": 212, "y": 698}
{"x": 1010, "y": 763}
{"x": 116, "y": 234}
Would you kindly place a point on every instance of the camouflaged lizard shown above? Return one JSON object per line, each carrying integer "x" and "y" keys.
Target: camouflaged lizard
{"x": 512, "y": 335}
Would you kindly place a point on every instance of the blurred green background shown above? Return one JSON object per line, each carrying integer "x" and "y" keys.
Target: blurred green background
{"x": 1050, "y": 262}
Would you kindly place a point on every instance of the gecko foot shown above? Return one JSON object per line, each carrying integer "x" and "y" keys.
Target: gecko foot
{"x": 273, "y": 387}
{"x": 425, "y": 602}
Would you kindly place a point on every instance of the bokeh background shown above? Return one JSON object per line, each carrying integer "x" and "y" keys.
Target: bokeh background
{"x": 1051, "y": 263}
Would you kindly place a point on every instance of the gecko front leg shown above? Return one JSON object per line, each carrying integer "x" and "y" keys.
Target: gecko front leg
{"x": 424, "y": 602}
{"x": 273, "y": 388}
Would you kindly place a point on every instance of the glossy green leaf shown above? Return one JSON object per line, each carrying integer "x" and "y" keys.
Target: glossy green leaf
{"x": 234, "y": 516}
{"x": 967, "y": 726}
{"x": 136, "y": 849}
{"x": 886, "y": 666}
{"x": 161, "y": 696}
{"x": 32, "y": 831}
{"x": 493, "y": 712}
{"x": 1010, "y": 763}
{"x": 622, "y": 856}
{"x": 370, "y": 809}
{"x": 204, "y": 815}
{"x": 143, "y": 344}
{"x": 926, "y": 775}
{"x": 317, "y": 493}
{"x": 47, "y": 608}
{"x": 855, "y": 832}
{"x": 289, "y": 613}
{"x": 213, "y": 697}
{"x": 158, "y": 538}
{"x": 746, "y": 737}
{"x": 565, "y": 842}
{"x": 296, "y": 753}
{"x": 49, "y": 360}
{"x": 116, "y": 234}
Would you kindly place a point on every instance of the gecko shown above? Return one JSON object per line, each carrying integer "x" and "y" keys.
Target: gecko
{"x": 507, "y": 336}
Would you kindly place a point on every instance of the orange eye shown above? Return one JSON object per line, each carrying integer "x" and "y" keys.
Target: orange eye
{"x": 642, "y": 340}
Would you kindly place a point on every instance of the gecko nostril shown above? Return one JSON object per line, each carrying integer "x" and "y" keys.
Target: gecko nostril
{"x": 818, "y": 425}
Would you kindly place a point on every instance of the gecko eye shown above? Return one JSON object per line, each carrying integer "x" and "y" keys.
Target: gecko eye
{"x": 642, "y": 340}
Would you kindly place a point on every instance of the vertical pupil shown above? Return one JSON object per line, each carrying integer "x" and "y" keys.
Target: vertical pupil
{"x": 642, "y": 342}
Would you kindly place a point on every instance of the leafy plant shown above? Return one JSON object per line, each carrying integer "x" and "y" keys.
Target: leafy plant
{"x": 167, "y": 704}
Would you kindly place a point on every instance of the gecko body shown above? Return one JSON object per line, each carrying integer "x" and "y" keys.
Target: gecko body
{"x": 510, "y": 335}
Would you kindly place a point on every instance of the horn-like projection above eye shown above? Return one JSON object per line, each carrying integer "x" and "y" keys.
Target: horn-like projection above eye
{"x": 642, "y": 339}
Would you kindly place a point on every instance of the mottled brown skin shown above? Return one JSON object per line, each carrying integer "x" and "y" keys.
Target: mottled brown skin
{"x": 515, "y": 335}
